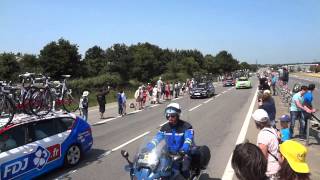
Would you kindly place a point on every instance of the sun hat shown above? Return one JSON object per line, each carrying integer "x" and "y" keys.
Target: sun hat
{"x": 85, "y": 93}
{"x": 295, "y": 153}
{"x": 284, "y": 118}
{"x": 267, "y": 92}
{"x": 260, "y": 115}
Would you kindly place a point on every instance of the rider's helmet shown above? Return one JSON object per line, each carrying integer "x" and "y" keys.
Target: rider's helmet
{"x": 172, "y": 109}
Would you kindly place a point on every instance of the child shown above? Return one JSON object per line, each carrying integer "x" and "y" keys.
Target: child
{"x": 285, "y": 131}
{"x": 84, "y": 105}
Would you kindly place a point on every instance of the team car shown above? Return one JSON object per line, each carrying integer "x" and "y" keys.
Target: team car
{"x": 32, "y": 145}
{"x": 243, "y": 82}
{"x": 229, "y": 81}
{"x": 202, "y": 90}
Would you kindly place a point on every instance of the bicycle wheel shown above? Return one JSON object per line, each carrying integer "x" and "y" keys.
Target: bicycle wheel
{"x": 41, "y": 102}
{"x": 27, "y": 100}
{"x": 70, "y": 104}
{"x": 7, "y": 111}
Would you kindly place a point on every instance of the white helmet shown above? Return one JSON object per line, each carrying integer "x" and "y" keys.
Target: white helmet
{"x": 173, "y": 108}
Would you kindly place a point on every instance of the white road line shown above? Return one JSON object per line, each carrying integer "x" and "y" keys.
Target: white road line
{"x": 163, "y": 123}
{"x": 228, "y": 172}
{"x": 217, "y": 95}
{"x": 104, "y": 121}
{"x": 195, "y": 107}
{"x": 207, "y": 101}
{"x": 132, "y": 140}
{"x": 133, "y": 112}
{"x": 176, "y": 98}
{"x": 154, "y": 105}
{"x": 65, "y": 175}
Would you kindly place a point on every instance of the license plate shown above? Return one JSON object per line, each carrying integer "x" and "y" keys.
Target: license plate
{"x": 197, "y": 94}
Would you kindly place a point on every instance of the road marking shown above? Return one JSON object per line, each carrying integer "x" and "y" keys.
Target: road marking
{"x": 228, "y": 172}
{"x": 176, "y": 98}
{"x": 217, "y": 95}
{"x": 154, "y": 105}
{"x": 195, "y": 107}
{"x": 207, "y": 101}
{"x": 163, "y": 123}
{"x": 136, "y": 111}
{"x": 104, "y": 121}
{"x": 130, "y": 141}
{"x": 63, "y": 176}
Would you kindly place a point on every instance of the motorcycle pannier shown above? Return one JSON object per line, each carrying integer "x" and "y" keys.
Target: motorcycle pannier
{"x": 200, "y": 157}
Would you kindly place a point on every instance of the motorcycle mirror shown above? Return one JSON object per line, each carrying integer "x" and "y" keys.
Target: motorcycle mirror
{"x": 125, "y": 154}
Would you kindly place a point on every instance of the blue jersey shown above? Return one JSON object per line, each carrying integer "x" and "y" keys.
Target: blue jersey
{"x": 178, "y": 137}
{"x": 308, "y": 97}
{"x": 285, "y": 134}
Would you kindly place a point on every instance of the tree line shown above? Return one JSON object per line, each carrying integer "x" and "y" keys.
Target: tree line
{"x": 142, "y": 62}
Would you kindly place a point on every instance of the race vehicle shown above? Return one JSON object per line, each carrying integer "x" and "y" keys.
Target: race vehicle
{"x": 202, "y": 90}
{"x": 33, "y": 145}
{"x": 243, "y": 82}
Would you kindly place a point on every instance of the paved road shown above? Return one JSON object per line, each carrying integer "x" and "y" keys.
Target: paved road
{"x": 217, "y": 122}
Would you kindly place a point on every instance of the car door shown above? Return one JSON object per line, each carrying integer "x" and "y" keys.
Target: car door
{"x": 14, "y": 153}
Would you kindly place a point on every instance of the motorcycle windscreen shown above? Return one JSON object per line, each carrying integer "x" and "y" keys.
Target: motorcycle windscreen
{"x": 149, "y": 158}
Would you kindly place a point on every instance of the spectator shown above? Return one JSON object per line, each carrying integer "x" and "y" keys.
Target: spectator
{"x": 176, "y": 90}
{"x": 167, "y": 90}
{"x": 308, "y": 98}
{"x": 159, "y": 85}
{"x": 124, "y": 103}
{"x": 285, "y": 131}
{"x": 144, "y": 96}
{"x": 293, "y": 161}
{"x": 84, "y": 105}
{"x": 268, "y": 142}
{"x": 285, "y": 77}
{"x": 101, "y": 98}
{"x": 138, "y": 97}
{"x": 171, "y": 90}
{"x": 249, "y": 162}
{"x": 149, "y": 89}
{"x": 154, "y": 98}
{"x": 274, "y": 80}
{"x": 120, "y": 107}
{"x": 267, "y": 103}
{"x": 297, "y": 105}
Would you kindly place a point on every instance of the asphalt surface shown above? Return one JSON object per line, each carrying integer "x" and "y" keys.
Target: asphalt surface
{"x": 217, "y": 122}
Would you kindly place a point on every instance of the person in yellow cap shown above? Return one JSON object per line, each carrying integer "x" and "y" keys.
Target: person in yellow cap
{"x": 293, "y": 161}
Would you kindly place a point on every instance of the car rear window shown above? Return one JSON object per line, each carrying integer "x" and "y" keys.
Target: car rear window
{"x": 243, "y": 79}
{"x": 68, "y": 122}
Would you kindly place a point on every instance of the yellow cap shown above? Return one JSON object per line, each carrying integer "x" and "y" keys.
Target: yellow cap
{"x": 295, "y": 153}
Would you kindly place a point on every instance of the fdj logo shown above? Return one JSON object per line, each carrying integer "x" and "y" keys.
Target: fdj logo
{"x": 19, "y": 166}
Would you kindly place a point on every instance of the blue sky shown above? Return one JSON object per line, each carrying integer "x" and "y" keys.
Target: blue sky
{"x": 269, "y": 31}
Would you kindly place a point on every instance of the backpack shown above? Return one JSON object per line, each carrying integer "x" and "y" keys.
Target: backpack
{"x": 119, "y": 97}
{"x": 85, "y": 103}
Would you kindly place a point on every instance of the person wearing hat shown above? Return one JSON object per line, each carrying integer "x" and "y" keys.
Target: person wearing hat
{"x": 268, "y": 142}
{"x": 293, "y": 161}
{"x": 285, "y": 131}
{"x": 84, "y": 105}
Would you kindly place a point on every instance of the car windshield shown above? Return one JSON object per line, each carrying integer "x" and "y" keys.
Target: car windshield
{"x": 229, "y": 78}
{"x": 201, "y": 86}
{"x": 243, "y": 79}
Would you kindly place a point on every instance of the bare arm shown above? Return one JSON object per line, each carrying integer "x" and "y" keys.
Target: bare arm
{"x": 264, "y": 150}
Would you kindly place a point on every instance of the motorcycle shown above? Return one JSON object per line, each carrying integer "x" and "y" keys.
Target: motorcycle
{"x": 161, "y": 165}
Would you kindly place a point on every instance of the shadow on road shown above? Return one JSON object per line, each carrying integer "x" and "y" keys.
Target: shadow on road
{"x": 65, "y": 173}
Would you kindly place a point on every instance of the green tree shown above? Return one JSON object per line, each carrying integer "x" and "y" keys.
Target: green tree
{"x": 30, "y": 63}
{"x": 62, "y": 57}
{"x": 226, "y": 62}
{"x": 120, "y": 61}
{"x": 95, "y": 61}
{"x": 9, "y": 67}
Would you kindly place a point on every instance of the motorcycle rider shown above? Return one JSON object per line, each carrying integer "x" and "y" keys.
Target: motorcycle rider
{"x": 178, "y": 135}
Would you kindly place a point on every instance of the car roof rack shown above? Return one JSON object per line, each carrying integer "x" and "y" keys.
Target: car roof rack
{"x": 24, "y": 118}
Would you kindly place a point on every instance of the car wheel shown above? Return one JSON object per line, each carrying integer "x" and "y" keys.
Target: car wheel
{"x": 73, "y": 155}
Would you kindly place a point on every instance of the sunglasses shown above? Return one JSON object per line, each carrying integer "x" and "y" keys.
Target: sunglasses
{"x": 170, "y": 115}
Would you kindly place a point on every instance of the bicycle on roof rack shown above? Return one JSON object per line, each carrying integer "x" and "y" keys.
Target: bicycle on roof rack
{"x": 16, "y": 99}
